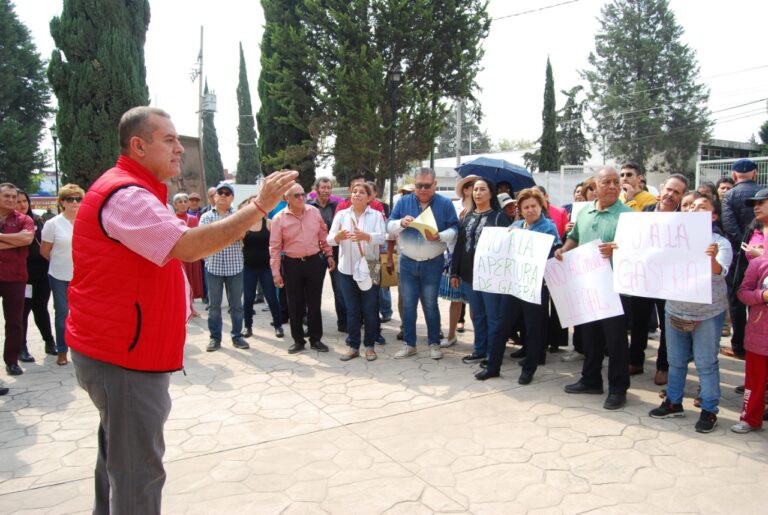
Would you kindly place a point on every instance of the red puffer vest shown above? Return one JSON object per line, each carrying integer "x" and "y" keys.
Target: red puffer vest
{"x": 123, "y": 309}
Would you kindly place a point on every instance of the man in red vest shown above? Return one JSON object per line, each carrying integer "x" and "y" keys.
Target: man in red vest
{"x": 129, "y": 305}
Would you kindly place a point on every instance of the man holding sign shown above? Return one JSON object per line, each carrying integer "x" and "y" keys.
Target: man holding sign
{"x": 598, "y": 222}
{"x": 421, "y": 257}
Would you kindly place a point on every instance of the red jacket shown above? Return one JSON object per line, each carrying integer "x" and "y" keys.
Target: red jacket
{"x": 123, "y": 309}
{"x": 560, "y": 217}
{"x": 751, "y": 294}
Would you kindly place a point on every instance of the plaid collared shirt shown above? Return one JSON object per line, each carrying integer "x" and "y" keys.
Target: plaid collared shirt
{"x": 229, "y": 260}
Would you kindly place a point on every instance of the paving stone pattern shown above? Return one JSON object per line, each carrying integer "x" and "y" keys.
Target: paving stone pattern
{"x": 261, "y": 431}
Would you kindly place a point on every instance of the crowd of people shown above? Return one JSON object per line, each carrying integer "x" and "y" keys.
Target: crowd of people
{"x": 282, "y": 244}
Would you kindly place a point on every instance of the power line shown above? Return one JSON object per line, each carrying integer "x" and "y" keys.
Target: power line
{"x": 535, "y": 10}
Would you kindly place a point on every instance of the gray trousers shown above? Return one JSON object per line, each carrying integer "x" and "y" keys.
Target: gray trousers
{"x": 133, "y": 407}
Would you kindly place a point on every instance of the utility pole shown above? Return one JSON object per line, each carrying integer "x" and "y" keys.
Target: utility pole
{"x": 197, "y": 74}
{"x": 458, "y": 132}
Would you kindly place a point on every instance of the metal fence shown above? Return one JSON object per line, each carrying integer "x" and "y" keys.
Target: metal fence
{"x": 713, "y": 171}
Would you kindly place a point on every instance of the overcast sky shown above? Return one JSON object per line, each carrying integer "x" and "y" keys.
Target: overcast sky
{"x": 728, "y": 38}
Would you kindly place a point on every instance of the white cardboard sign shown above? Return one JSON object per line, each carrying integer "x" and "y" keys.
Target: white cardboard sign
{"x": 662, "y": 256}
{"x": 511, "y": 262}
{"x": 581, "y": 286}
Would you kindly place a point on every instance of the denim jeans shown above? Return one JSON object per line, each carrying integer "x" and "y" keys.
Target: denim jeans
{"x": 385, "y": 302}
{"x": 234, "y": 285}
{"x": 704, "y": 344}
{"x": 60, "y": 309}
{"x": 263, "y": 276}
{"x": 484, "y": 311}
{"x": 420, "y": 280}
{"x": 361, "y": 305}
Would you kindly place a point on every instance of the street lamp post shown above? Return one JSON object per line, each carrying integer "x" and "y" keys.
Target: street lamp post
{"x": 394, "y": 83}
{"x": 55, "y": 137}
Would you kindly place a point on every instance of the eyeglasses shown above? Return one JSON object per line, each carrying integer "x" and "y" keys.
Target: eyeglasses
{"x": 299, "y": 195}
{"x": 224, "y": 193}
{"x": 422, "y": 186}
{"x": 72, "y": 199}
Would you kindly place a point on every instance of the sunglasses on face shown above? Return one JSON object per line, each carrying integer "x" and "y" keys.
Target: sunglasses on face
{"x": 224, "y": 193}
{"x": 72, "y": 199}
{"x": 627, "y": 174}
{"x": 421, "y": 186}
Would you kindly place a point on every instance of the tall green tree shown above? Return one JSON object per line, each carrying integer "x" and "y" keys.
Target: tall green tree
{"x": 248, "y": 167}
{"x": 288, "y": 111}
{"x": 473, "y": 139}
{"x": 214, "y": 169}
{"x": 97, "y": 72}
{"x": 357, "y": 44}
{"x": 24, "y": 100}
{"x": 574, "y": 146}
{"x": 645, "y": 96}
{"x": 764, "y": 137}
{"x": 549, "y": 152}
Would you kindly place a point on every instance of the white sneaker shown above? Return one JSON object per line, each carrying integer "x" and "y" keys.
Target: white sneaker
{"x": 406, "y": 352}
{"x": 572, "y": 356}
{"x": 445, "y": 342}
{"x": 742, "y": 427}
{"x": 435, "y": 352}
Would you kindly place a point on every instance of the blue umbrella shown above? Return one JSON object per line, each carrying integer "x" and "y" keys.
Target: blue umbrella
{"x": 498, "y": 170}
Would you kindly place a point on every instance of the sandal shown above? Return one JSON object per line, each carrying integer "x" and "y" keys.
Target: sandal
{"x": 370, "y": 355}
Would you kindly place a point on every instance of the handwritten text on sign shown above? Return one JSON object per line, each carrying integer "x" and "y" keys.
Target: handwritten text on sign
{"x": 661, "y": 255}
{"x": 511, "y": 262}
{"x": 581, "y": 286}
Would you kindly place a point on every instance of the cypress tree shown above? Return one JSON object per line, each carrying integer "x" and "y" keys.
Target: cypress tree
{"x": 214, "y": 169}
{"x": 574, "y": 147}
{"x": 549, "y": 157}
{"x": 286, "y": 93}
{"x": 97, "y": 73}
{"x": 645, "y": 97}
{"x": 24, "y": 97}
{"x": 248, "y": 167}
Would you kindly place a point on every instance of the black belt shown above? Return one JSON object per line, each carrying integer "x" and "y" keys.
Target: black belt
{"x": 305, "y": 258}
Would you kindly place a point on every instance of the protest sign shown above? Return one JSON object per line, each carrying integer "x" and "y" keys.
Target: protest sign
{"x": 661, "y": 256}
{"x": 511, "y": 262}
{"x": 576, "y": 208}
{"x": 581, "y": 286}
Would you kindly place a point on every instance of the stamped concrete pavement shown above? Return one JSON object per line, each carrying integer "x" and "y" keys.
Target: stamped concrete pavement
{"x": 261, "y": 431}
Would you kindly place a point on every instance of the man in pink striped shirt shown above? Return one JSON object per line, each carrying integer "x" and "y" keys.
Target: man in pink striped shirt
{"x": 298, "y": 254}
{"x": 124, "y": 215}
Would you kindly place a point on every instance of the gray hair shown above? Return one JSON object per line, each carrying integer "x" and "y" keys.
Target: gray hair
{"x": 321, "y": 180}
{"x": 426, "y": 171}
{"x": 680, "y": 177}
{"x": 180, "y": 196}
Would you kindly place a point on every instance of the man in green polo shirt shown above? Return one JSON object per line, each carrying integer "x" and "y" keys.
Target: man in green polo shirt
{"x": 598, "y": 222}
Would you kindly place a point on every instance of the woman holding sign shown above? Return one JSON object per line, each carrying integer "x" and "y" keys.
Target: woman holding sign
{"x": 531, "y": 204}
{"x": 484, "y": 306}
{"x": 693, "y": 330}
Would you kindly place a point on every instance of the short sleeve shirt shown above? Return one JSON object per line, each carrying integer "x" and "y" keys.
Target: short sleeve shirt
{"x": 58, "y": 232}
{"x": 229, "y": 260}
{"x": 593, "y": 224}
{"x": 13, "y": 261}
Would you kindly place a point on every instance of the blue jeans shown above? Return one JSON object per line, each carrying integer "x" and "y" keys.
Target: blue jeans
{"x": 60, "y": 309}
{"x": 234, "y": 285}
{"x": 484, "y": 311}
{"x": 385, "y": 303}
{"x": 252, "y": 277}
{"x": 704, "y": 344}
{"x": 360, "y": 305}
{"x": 420, "y": 280}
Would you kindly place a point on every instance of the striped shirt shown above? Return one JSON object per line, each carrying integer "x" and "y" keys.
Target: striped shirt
{"x": 229, "y": 260}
